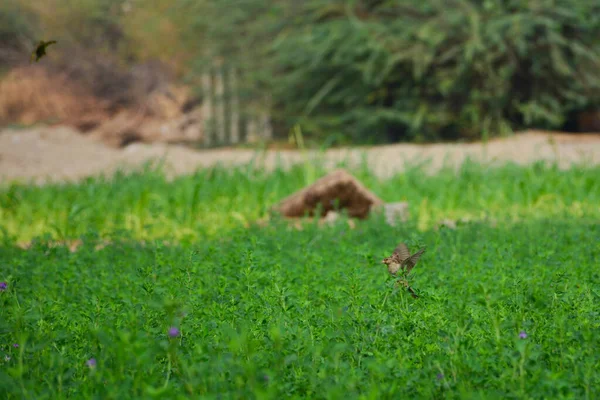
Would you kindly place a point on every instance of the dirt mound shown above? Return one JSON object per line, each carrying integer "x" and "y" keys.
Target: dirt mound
{"x": 339, "y": 189}
{"x": 160, "y": 118}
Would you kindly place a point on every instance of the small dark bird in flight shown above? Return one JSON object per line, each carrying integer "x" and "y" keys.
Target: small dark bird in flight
{"x": 40, "y": 50}
{"x": 402, "y": 260}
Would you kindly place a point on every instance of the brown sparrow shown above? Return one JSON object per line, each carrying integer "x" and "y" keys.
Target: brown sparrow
{"x": 402, "y": 260}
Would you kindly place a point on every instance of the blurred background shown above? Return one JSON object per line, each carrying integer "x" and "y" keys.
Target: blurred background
{"x": 235, "y": 72}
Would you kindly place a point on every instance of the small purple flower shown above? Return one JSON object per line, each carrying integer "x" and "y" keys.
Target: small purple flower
{"x": 3, "y": 286}
{"x": 523, "y": 335}
{"x": 91, "y": 363}
{"x": 173, "y": 332}
{"x": 16, "y": 345}
{"x": 440, "y": 376}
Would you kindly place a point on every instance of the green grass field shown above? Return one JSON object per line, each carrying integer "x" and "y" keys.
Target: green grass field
{"x": 509, "y": 309}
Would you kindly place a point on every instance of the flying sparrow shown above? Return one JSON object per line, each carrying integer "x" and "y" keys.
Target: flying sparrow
{"x": 402, "y": 260}
{"x": 40, "y": 50}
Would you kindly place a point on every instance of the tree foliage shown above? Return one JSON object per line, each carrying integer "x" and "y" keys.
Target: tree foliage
{"x": 412, "y": 69}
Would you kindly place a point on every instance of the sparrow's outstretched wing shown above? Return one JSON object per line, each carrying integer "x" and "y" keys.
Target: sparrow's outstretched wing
{"x": 402, "y": 252}
{"x": 411, "y": 261}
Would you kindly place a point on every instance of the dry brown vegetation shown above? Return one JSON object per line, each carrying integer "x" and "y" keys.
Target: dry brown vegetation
{"x": 29, "y": 95}
{"x": 113, "y": 106}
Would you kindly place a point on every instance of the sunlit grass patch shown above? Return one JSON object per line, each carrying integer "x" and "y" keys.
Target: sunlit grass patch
{"x": 214, "y": 201}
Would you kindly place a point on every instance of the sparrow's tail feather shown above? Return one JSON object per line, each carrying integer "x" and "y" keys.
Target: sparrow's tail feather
{"x": 404, "y": 283}
{"x": 412, "y": 293}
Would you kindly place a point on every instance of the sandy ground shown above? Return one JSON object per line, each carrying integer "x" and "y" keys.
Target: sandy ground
{"x": 61, "y": 154}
